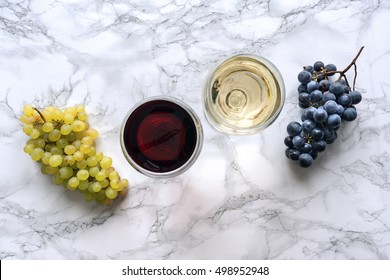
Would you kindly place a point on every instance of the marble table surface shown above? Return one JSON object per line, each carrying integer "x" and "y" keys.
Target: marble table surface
{"x": 242, "y": 199}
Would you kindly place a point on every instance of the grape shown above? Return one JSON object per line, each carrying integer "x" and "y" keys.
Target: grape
{"x": 330, "y": 107}
{"x": 28, "y": 128}
{"x": 26, "y": 120}
{"x": 345, "y": 100}
{"x": 309, "y": 113}
{"x": 51, "y": 170}
{"x": 106, "y": 162}
{"x": 312, "y": 85}
{"x": 68, "y": 160}
{"x": 333, "y": 120}
{"x": 55, "y": 150}
{"x": 303, "y": 105}
{"x": 326, "y": 104}
{"x": 340, "y": 110}
{"x": 92, "y": 133}
{"x": 78, "y": 126}
{"x": 346, "y": 88}
{"x": 65, "y": 172}
{"x": 64, "y": 144}
{"x": 46, "y": 157}
{"x": 48, "y": 115}
{"x": 54, "y": 135}
{"x": 58, "y": 180}
{"x": 55, "y": 160}
{"x": 294, "y": 154}
{"x": 92, "y": 161}
{"x": 105, "y": 183}
{"x": 83, "y": 185}
{"x": 28, "y": 110}
{"x": 85, "y": 149}
{"x": 314, "y": 154}
{"x": 306, "y": 148}
{"x": 76, "y": 143}
{"x": 92, "y": 152}
{"x": 305, "y": 160}
{"x": 320, "y": 116}
{"x": 82, "y": 116}
{"x": 324, "y": 85}
{"x": 318, "y": 66}
{"x": 47, "y": 127}
{"x": 99, "y": 156}
{"x": 34, "y": 133}
{"x": 87, "y": 140}
{"x": 61, "y": 143}
{"x": 40, "y": 143}
{"x": 82, "y": 174}
{"x": 114, "y": 175}
{"x": 68, "y": 118}
{"x": 302, "y": 88}
{"x": 96, "y": 187}
{"x": 349, "y": 114}
{"x": 100, "y": 176}
{"x": 336, "y": 88}
{"x": 317, "y": 134}
{"x": 331, "y": 67}
{"x": 29, "y": 148}
{"x": 304, "y": 98}
{"x": 309, "y": 68}
{"x": 78, "y": 156}
{"x": 298, "y": 141}
{"x": 71, "y": 110}
{"x": 294, "y": 128}
{"x": 316, "y": 96}
{"x": 319, "y": 146}
{"x": 304, "y": 77}
{"x": 80, "y": 108}
{"x": 115, "y": 184}
{"x": 111, "y": 193}
{"x": 287, "y": 152}
{"x": 124, "y": 183}
{"x": 287, "y": 142}
{"x": 308, "y": 125}
{"x": 70, "y": 149}
{"x": 73, "y": 182}
{"x": 330, "y": 140}
{"x": 328, "y": 96}
{"x": 37, "y": 154}
{"x": 66, "y": 129}
{"x": 356, "y": 97}
{"x": 93, "y": 171}
{"x": 328, "y": 132}
{"x": 82, "y": 164}
{"x": 58, "y": 114}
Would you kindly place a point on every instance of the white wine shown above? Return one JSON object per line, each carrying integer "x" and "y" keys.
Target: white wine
{"x": 243, "y": 94}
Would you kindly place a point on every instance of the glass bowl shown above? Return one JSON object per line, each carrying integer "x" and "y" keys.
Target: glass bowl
{"x": 161, "y": 137}
{"x": 243, "y": 94}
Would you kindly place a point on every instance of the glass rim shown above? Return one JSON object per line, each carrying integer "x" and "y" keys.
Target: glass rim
{"x": 228, "y": 128}
{"x": 193, "y": 157}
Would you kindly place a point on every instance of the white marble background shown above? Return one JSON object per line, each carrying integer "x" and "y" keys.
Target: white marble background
{"x": 242, "y": 199}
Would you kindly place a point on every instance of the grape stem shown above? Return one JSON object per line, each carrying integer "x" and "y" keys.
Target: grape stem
{"x": 342, "y": 73}
{"x": 39, "y": 112}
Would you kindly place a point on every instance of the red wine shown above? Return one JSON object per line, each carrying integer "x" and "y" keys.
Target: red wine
{"x": 160, "y": 136}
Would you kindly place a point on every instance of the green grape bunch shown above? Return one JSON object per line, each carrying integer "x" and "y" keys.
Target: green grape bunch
{"x": 64, "y": 144}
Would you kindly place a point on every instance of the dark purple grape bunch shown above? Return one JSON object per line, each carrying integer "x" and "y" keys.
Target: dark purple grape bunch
{"x": 326, "y": 103}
